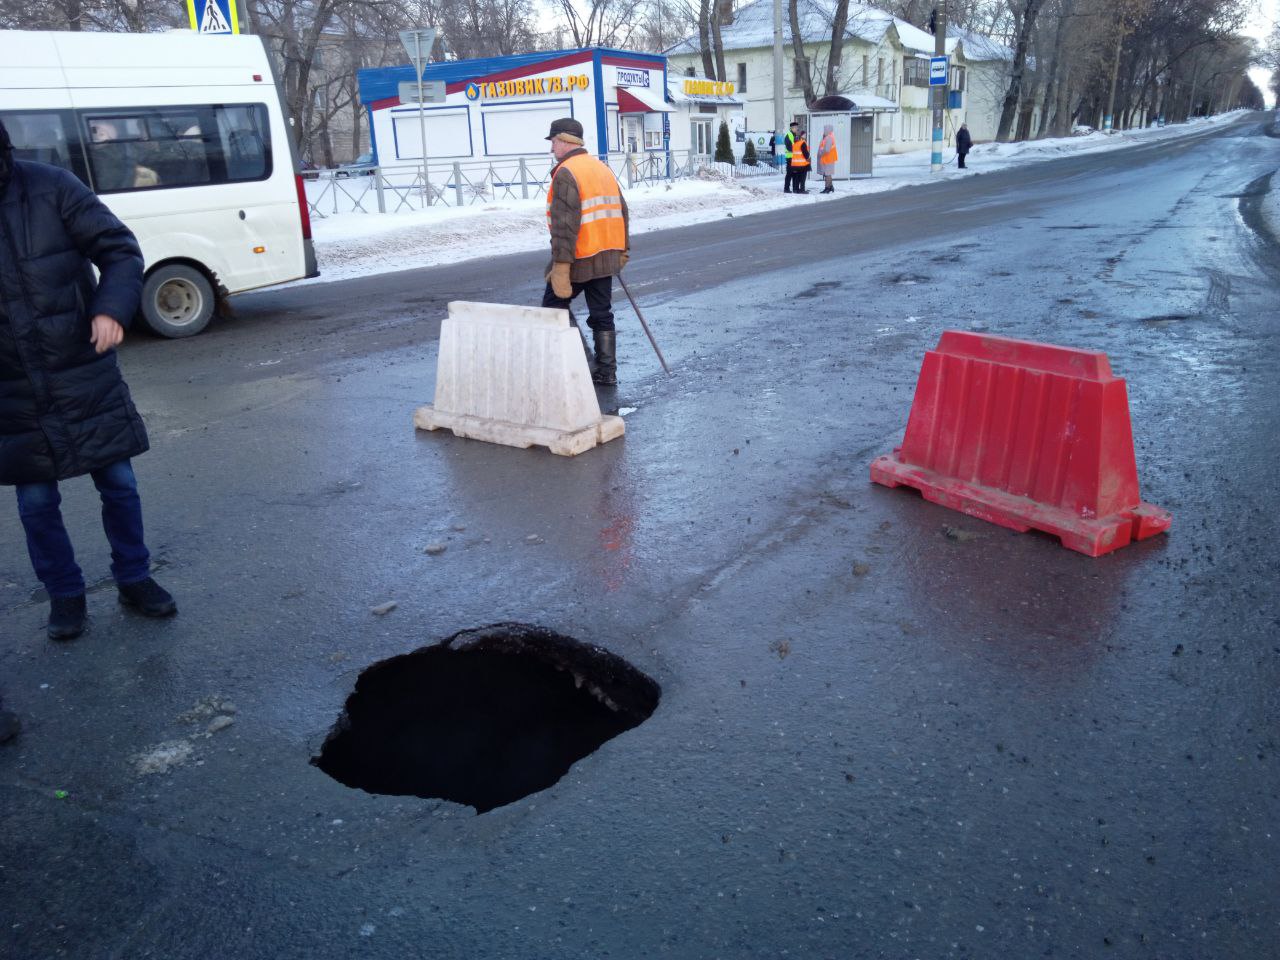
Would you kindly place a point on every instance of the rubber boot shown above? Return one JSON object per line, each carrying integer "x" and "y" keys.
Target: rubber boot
{"x": 606, "y": 372}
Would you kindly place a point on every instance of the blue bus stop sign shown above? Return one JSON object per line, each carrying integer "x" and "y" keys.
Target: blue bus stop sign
{"x": 937, "y": 71}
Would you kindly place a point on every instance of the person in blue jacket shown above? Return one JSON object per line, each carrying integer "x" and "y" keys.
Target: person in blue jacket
{"x": 65, "y": 410}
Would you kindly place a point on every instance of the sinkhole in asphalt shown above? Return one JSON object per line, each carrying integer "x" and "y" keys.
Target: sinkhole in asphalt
{"x": 484, "y": 717}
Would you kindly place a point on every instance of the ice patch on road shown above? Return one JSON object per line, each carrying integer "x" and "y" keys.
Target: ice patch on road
{"x": 161, "y": 758}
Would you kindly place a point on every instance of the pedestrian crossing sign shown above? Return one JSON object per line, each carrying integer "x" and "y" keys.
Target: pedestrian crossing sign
{"x": 213, "y": 16}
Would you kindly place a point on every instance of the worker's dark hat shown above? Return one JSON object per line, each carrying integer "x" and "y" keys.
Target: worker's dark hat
{"x": 565, "y": 125}
{"x": 795, "y": 123}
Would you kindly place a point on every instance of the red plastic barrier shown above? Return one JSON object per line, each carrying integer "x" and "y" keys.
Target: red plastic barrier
{"x": 1026, "y": 435}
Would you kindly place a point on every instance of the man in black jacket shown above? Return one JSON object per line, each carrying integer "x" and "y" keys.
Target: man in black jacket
{"x": 65, "y": 410}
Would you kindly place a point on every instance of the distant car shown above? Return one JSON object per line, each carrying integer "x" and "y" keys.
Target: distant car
{"x": 363, "y": 166}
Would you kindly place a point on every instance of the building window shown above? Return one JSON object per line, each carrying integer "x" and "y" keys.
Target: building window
{"x": 742, "y": 78}
{"x": 801, "y": 64}
{"x": 866, "y": 70}
{"x": 957, "y": 78}
{"x": 915, "y": 72}
{"x": 880, "y": 71}
{"x": 688, "y": 72}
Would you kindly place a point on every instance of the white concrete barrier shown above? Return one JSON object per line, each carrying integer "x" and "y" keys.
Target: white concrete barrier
{"x": 516, "y": 376}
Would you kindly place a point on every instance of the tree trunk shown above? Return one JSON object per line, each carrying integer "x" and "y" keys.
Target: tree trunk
{"x": 797, "y": 45}
{"x": 836, "y": 54}
{"x": 717, "y": 44}
{"x": 357, "y": 115}
{"x": 704, "y": 38}
{"x": 1060, "y": 126}
{"x": 1026, "y": 112}
{"x": 1009, "y": 112}
{"x": 1051, "y": 84}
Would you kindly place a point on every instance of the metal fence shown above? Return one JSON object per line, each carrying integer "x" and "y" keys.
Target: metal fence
{"x": 469, "y": 182}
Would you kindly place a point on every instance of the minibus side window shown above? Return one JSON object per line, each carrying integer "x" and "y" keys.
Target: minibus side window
{"x": 246, "y": 141}
{"x": 46, "y": 136}
{"x": 147, "y": 148}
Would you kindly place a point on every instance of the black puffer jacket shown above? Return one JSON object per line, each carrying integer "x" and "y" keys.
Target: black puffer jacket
{"x": 64, "y": 409}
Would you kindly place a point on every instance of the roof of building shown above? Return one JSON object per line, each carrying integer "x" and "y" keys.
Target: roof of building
{"x": 753, "y": 27}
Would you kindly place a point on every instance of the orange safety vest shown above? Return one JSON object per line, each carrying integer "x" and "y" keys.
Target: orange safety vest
{"x": 827, "y": 149}
{"x": 602, "y": 226}
{"x": 797, "y": 153}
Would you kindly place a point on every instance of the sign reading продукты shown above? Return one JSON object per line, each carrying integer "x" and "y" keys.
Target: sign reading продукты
{"x": 213, "y": 16}
{"x": 937, "y": 71}
{"x": 633, "y": 78}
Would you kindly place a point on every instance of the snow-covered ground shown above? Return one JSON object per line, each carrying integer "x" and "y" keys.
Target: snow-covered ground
{"x": 360, "y": 244}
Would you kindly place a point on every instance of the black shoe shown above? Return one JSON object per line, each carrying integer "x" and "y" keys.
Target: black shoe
{"x": 66, "y": 617}
{"x": 606, "y": 371}
{"x": 148, "y": 598}
{"x": 9, "y": 725}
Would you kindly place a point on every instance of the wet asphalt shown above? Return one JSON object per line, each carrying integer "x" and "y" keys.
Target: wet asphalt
{"x": 874, "y": 739}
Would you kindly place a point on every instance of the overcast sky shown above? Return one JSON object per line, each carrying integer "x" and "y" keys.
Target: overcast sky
{"x": 1266, "y": 14}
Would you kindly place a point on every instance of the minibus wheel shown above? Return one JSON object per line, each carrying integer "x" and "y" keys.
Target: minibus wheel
{"x": 177, "y": 300}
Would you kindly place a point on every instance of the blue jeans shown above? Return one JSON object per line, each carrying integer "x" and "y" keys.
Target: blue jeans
{"x": 50, "y": 548}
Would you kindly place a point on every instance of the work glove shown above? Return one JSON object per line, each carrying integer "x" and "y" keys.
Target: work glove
{"x": 561, "y": 285}
{"x": 624, "y": 259}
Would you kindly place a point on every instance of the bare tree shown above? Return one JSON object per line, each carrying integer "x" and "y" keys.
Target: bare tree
{"x": 481, "y": 28}
{"x": 1025, "y": 13}
{"x": 600, "y": 23}
{"x": 803, "y": 68}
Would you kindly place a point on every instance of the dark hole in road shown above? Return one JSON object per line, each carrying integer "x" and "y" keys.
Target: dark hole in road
{"x": 484, "y": 717}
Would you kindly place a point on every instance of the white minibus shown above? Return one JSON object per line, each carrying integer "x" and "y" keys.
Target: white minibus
{"x": 184, "y": 137}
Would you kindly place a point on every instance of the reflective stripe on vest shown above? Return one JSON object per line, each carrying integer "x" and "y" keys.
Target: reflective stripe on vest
{"x": 827, "y": 150}
{"x": 602, "y": 226}
{"x": 798, "y": 158}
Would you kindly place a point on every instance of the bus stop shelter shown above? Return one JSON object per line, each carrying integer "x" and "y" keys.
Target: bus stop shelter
{"x": 853, "y": 123}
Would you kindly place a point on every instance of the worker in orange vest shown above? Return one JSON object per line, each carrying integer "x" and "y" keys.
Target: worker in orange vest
{"x": 799, "y": 163}
{"x": 827, "y": 157}
{"x": 587, "y": 217}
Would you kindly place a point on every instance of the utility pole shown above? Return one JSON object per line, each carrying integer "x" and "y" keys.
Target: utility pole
{"x": 779, "y": 120}
{"x": 939, "y": 92}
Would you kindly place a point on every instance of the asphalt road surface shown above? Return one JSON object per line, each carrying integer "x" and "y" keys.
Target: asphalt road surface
{"x": 874, "y": 739}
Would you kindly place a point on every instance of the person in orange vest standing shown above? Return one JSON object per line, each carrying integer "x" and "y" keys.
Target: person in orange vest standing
{"x": 799, "y": 163}
{"x": 590, "y": 242}
{"x": 827, "y": 156}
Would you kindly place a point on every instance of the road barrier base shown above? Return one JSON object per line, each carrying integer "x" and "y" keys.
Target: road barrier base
{"x": 516, "y": 376}
{"x": 1092, "y": 537}
{"x": 1027, "y": 435}
{"x": 565, "y": 443}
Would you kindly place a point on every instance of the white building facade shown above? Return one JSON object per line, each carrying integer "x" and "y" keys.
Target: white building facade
{"x": 884, "y": 60}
